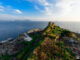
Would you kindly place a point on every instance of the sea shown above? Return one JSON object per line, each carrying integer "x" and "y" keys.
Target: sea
{"x": 12, "y": 29}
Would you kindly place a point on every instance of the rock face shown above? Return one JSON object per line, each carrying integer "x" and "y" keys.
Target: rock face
{"x": 12, "y": 46}
{"x": 51, "y": 43}
{"x": 59, "y": 44}
{"x": 34, "y": 30}
{"x": 52, "y": 31}
{"x": 50, "y": 50}
{"x": 51, "y": 24}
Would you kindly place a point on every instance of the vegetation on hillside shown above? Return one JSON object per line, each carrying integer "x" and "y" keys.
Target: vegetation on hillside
{"x": 46, "y": 45}
{"x": 51, "y": 48}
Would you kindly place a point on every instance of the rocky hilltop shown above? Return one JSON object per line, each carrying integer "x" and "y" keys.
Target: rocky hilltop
{"x": 51, "y": 43}
{"x": 58, "y": 44}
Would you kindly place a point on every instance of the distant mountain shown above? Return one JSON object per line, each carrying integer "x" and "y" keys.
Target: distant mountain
{"x": 13, "y": 20}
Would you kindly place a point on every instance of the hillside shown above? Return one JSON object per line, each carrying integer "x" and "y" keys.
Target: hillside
{"x": 51, "y": 43}
{"x": 57, "y": 45}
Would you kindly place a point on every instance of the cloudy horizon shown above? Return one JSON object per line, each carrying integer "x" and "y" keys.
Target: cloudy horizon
{"x": 39, "y": 10}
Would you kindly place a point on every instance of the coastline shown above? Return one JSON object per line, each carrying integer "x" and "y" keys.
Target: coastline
{"x": 30, "y": 31}
{"x": 34, "y": 38}
{"x": 4, "y": 45}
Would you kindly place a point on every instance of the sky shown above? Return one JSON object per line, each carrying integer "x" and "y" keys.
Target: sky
{"x": 40, "y": 10}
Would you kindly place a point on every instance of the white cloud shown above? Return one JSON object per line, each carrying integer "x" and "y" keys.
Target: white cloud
{"x": 37, "y": 8}
{"x": 1, "y": 10}
{"x": 69, "y": 9}
{"x": 65, "y": 10}
{"x": 62, "y": 10}
{"x": 1, "y": 7}
{"x": 7, "y": 17}
{"x": 8, "y": 9}
{"x": 17, "y": 11}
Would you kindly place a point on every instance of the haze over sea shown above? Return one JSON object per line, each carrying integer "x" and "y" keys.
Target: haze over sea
{"x": 12, "y": 29}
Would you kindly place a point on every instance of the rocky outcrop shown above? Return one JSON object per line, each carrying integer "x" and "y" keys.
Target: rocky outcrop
{"x": 49, "y": 49}
{"x": 34, "y": 30}
{"x": 12, "y": 46}
{"x": 51, "y": 43}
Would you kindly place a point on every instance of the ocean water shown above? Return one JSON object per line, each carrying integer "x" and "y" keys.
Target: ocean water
{"x": 12, "y": 29}
{"x": 72, "y": 26}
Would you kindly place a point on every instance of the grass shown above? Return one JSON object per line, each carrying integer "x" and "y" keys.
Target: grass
{"x": 28, "y": 49}
{"x": 30, "y": 46}
{"x": 4, "y": 57}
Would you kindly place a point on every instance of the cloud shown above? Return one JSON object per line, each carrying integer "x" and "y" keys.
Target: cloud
{"x": 1, "y": 10}
{"x": 59, "y": 10}
{"x": 9, "y": 10}
{"x": 7, "y": 17}
{"x": 65, "y": 10}
{"x": 69, "y": 9}
{"x": 1, "y": 7}
{"x": 37, "y": 8}
{"x": 17, "y": 11}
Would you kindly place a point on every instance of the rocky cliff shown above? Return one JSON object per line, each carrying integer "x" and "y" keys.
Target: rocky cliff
{"x": 51, "y": 43}
{"x": 58, "y": 44}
